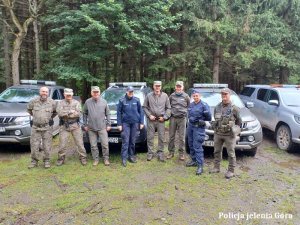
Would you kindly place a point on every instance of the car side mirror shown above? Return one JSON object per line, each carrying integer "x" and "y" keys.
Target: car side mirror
{"x": 273, "y": 102}
{"x": 249, "y": 105}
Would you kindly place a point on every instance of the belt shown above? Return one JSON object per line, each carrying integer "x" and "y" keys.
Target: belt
{"x": 178, "y": 117}
{"x": 41, "y": 125}
{"x": 71, "y": 122}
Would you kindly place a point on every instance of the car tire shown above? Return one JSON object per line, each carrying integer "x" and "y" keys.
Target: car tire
{"x": 143, "y": 146}
{"x": 252, "y": 152}
{"x": 284, "y": 138}
{"x": 87, "y": 147}
{"x": 187, "y": 148}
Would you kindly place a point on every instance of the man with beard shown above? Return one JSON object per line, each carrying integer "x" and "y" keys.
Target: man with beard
{"x": 42, "y": 109}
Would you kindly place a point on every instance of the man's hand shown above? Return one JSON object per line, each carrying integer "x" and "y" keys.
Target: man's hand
{"x": 141, "y": 126}
{"x": 120, "y": 128}
{"x": 86, "y": 128}
{"x": 161, "y": 119}
{"x": 108, "y": 128}
{"x": 151, "y": 117}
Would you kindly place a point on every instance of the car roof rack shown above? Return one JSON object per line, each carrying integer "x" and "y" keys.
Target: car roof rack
{"x": 127, "y": 84}
{"x": 38, "y": 82}
{"x": 204, "y": 85}
{"x": 285, "y": 85}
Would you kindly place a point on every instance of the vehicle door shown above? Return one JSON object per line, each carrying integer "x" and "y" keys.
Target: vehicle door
{"x": 272, "y": 111}
{"x": 261, "y": 106}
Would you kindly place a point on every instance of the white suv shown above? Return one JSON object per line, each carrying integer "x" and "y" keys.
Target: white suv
{"x": 277, "y": 107}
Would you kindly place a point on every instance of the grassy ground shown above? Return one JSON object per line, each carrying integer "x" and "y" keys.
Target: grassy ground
{"x": 149, "y": 192}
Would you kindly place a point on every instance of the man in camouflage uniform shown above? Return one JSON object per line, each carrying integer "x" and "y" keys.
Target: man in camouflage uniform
{"x": 69, "y": 111}
{"x": 42, "y": 109}
{"x": 158, "y": 109}
{"x": 180, "y": 102}
{"x": 227, "y": 127}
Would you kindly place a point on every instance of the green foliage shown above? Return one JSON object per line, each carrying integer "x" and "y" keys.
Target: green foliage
{"x": 99, "y": 41}
{"x": 97, "y": 31}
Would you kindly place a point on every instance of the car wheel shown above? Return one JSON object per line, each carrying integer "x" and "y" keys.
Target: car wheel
{"x": 87, "y": 147}
{"x": 143, "y": 147}
{"x": 187, "y": 148}
{"x": 284, "y": 138}
{"x": 252, "y": 152}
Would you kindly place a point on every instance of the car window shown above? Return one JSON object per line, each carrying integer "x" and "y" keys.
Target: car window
{"x": 61, "y": 91}
{"x": 20, "y": 95}
{"x": 291, "y": 98}
{"x": 112, "y": 96}
{"x": 248, "y": 91}
{"x": 56, "y": 95}
{"x": 261, "y": 94}
{"x": 214, "y": 98}
{"x": 273, "y": 95}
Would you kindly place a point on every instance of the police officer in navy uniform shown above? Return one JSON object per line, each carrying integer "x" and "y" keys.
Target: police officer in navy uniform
{"x": 130, "y": 118}
{"x": 198, "y": 113}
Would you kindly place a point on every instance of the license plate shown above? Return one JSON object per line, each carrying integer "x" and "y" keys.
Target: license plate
{"x": 2, "y": 129}
{"x": 113, "y": 140}
{"x": 208, "y": 143}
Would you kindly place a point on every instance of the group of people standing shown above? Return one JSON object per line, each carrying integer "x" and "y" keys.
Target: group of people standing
{"x": 158, "y": 108}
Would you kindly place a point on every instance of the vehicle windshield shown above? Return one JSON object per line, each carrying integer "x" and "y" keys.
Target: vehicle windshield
{"x": 214, "y": 98}
{"x": 112, "y": 97}
{"x": 291, "y": 98}
{"x": 20, "y": 95}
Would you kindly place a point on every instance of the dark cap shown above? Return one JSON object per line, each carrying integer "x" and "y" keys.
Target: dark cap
{"x": 129, "y": 88}
{"x": 195, "y": 91}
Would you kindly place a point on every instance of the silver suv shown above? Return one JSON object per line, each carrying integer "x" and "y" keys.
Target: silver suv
{"x": 251, "y": 135}
{"x": 277, "y": 107}
{"x": 14, "y": 119}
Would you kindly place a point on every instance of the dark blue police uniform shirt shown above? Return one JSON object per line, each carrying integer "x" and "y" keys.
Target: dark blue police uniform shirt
{"x": 130, "y": 111}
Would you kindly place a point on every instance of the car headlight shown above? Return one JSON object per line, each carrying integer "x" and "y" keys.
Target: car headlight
{"x": 297, "y": 118}
{"x": 252, "y": 124}
{"x": 22, "y": 120}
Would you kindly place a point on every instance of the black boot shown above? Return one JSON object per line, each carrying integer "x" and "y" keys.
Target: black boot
{"x": 199, "y": 170}
{"x": 191, "y": 163}
{"x": 124, "y": 162}
{"x": 132, "y": 159}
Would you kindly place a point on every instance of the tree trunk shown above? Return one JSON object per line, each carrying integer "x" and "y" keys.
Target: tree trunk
{"x": 15, "y": 58}
{"x": 142, "y": 66}
{"x": 22, "y": 31}
{"x": 6, "y": 49}
{"x": 216, "y": 64}
{"x": 107, "y": 74}
{"x": 115, "y": 66}
{"x": 37, "y": 47}
{"x": 284, "y": 75}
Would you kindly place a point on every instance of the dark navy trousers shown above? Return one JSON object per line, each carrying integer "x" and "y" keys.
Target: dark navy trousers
{"x": 195, "y": 139}
{"x": 128, "y": 135}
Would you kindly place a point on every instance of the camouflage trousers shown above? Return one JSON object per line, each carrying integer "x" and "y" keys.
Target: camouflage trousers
{"x": 230, "y": 143}
{"x": 177, "y": 125}
{"x": 77, "y": 137}
{"x": 38, "y": 136}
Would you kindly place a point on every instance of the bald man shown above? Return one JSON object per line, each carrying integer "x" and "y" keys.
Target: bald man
{"x": 42, "y": 109}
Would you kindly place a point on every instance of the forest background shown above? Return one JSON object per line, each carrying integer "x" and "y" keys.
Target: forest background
{"x": 93, "y": 42}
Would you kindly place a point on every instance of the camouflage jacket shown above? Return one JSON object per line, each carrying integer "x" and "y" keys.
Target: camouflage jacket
{"x": 41, "y": 111}
{"x": 69, "y": 113}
